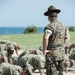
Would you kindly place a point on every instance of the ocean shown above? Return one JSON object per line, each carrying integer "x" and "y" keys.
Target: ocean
{"x": 16, "y": 30}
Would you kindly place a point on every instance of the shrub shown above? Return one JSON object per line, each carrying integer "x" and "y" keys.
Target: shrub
{"x": 72, "y": 28}
{"x": 31, "y": 29}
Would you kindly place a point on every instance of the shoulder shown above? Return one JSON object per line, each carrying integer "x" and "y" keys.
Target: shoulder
{"x": 49, "y": 27}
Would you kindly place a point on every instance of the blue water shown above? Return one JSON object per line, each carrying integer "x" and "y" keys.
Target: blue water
{"x": 16, "y": 30}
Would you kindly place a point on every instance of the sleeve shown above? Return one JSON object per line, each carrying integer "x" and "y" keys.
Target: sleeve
{"x": 67, "y": 35}
{"x": 48, "y": 31}
{"x": 67, "y": 31}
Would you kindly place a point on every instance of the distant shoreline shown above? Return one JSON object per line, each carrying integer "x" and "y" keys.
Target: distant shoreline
{"x": 16, "y": 30}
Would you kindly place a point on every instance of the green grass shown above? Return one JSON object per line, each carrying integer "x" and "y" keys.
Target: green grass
{"x": 72, "y": 37}
{"x": 25, "y": 40}
{"x": 30, "y": 40}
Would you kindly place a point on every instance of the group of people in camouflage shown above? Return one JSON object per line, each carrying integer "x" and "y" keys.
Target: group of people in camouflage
{"x": 22, "y": 64}
{"x": 69, "y": 56}
{"x": 7, "y": 49}
{"x": 32, "y": 59}
{"x": 28, "y": 61}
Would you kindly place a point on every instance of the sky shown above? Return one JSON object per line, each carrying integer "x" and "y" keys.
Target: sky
{"x": 23, "y": 13}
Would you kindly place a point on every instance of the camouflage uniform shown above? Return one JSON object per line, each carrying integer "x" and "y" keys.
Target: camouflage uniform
{"x": 56, "y": 42}
{"x": 8, "y": 69}
{"x": 6, "y": 50}
{"x": 41, "y": 48}
{"x": 15, "y": 60}
{"x": 10, "y": 51}
{"x": 72, "y": 56}
{"x": 72, "y": 62}
{"x": 54, "y": 38}
{"x": 3, "y": 53}
{"x": 67, "y": 48}
{"x": 15, "y": 45}
{"x": 71, "y": 48}
{"x": 32, "y": 62}
{"x": 31, "y": 51}
{"x": 24, "y": 53}
{"x": 66, "y": 61}
{"x": 4, "y": 41}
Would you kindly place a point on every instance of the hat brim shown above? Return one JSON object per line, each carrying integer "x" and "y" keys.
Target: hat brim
{"x": 48, "y": 12}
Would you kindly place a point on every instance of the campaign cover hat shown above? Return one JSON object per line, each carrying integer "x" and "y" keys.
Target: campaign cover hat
{"x": 51, "y": 9}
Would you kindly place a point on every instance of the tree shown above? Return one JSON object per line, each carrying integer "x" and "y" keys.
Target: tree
{"x": 31, "y": 29}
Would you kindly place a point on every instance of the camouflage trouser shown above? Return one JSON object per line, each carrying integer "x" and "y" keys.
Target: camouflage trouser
{"x": 53, "y": 67}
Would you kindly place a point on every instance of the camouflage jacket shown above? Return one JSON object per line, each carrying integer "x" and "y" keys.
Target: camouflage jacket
{"x": 32, "y": 59}
{"x": 29, "y": 51}
{"x": 8, "y": 69}
{"x": 58, "y": 35}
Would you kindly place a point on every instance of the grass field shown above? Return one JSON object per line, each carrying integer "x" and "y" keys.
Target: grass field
{"x": 25, "y": 40}
{"x": 72, "y": 35}
{"x": 30, "y": 40}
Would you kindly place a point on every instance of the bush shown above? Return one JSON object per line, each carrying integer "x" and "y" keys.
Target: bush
{"x": 72, "y": 28}
{"x": 31, "y": 29}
